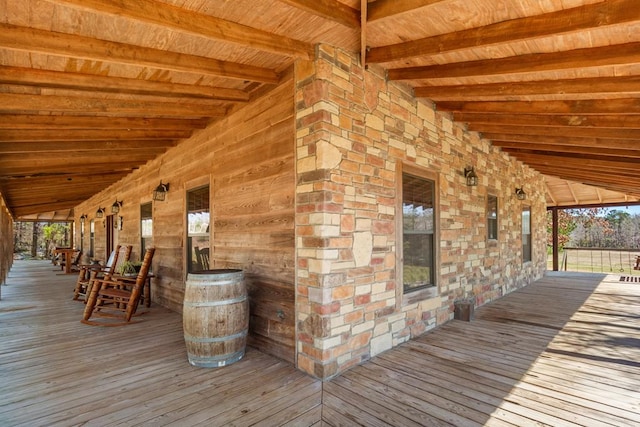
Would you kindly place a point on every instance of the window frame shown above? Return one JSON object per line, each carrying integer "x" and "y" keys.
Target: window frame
{"x": 496, "y": 220}
{"x": 421, "y": 294}
{"x": 195, "y": 186}
{"x": 529, "y": 241}
{"x": 144, "y": 238}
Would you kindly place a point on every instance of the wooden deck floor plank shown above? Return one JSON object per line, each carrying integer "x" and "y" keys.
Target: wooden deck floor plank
{"x": 241, "y": 400}
{"x": 417, "y": 388}
{"x": 364, "y": 411}
{"x": 522, "y": 403}
{"x": 211, "y": 400}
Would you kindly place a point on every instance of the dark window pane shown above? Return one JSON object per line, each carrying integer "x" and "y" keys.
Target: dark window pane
{"x": 418, "y": 227}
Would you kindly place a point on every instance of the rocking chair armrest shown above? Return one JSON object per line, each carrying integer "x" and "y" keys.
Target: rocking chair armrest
{"x": 106, "y": 282}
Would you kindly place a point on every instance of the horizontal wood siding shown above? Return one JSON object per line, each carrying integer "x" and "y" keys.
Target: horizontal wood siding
{"x": 247, "y": 158}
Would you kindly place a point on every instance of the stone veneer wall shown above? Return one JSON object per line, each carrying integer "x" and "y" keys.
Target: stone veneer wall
{"x": 353, "y": 130}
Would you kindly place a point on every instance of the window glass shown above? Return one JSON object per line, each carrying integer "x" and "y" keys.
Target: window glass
{"x": 526, "y": 234}
{"x": 492, "y": 217}
{"x": 418, "y": 225}
{"x": 92, "y": 238}
{"x": 146, "y": 227}
{"x": 198, "y": 229}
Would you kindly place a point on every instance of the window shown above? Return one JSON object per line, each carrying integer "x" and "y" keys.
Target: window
{"x": 418, "y": 225}
{"x": 526, "y": 234}
{"x": 492, "y": 217}
{"x": 146, "y": 227}
{"x": 197, "y": 229}
{"x": 92, "y": 238}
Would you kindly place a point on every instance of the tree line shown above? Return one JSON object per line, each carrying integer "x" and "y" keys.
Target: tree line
{"x": 596, "y": 228}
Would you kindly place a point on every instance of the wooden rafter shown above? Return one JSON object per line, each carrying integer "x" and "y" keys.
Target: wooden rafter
{"x": 98, "y": 83}
{"x": 577, "y": 132}
{"x": 381, "y": 9}
{"x": 61, "y": 44}
{"x": 600, "y": 85}
{"x": 602, "y": 121}
{"x": 548, "y": 24}
{"x": 620, "y": 54}
{"x": 329, "y": 9}
{"x": 33, "y": 121}
{"x": 23, "y": 103}
{"x": 58, "y": 147}
{"x": 563, "y": 149}
{"x": 91, "y": 134}
{"x": 572, "y": 141}
{"x": 190, "y": 22}
{"x": 629, "y": 106}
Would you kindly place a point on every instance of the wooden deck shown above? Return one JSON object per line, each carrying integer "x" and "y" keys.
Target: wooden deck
{"x": 564, "y": 351}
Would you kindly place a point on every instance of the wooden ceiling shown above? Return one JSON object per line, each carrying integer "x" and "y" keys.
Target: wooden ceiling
{"x": 92, "y": 89}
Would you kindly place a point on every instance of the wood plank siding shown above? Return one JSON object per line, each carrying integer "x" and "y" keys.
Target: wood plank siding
{"x": 247, "y": 159}
{"x": 563, "y": 351}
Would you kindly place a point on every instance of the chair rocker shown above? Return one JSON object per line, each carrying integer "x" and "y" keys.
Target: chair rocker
{"x": 89, "y": 272}
{"x": 116, "y": 297}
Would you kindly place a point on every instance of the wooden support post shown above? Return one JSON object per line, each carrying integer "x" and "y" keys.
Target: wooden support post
{"x": 554, "y": 220}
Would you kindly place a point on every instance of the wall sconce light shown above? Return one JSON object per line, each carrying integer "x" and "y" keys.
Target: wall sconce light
{"x": 115, "y": 207}
{"x": 83, "y": 217}
{"x": 520, "y": 194}
{"x": 160, "y": 192}
{"x": 470, "y": 176}
{"x": 100, "y": 212}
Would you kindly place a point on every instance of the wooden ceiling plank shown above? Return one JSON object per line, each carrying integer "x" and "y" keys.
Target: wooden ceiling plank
{"x": 549, "y": 24}
{"x": 61, "y": 44}
{"x": 619, "y": 54}
{"x": 602, "y": 121}
{"x": 599, "y": 85}
{"x": 329, "y": 9}
{"x": 45, "y": 206}
{"x": 10, "y": 135}
{"x": 12, "y": 103}
{"x": 33, "y": 121}
{"x": 381, "y": 9}
{"x": 627, "y": 106}
{"x": 46, "y": 169}
{"x": 585, "y": 164}
{"x": 190, "y": 22}
{"x": 579, "y": 132}
{"x": 98, "y": 83}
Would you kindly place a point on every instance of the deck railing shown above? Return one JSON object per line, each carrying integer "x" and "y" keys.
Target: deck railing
{"x": 600, "y": 260}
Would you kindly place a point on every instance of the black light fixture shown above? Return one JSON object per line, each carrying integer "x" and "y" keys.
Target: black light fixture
{"x": 520, "y": 194}
{"x": 115, "y": 207}
{"x": 160, "y": 192}
{"x": 100, "y": 212}
{"x": 470, "y": 176}
{"x": 83, "y": 217}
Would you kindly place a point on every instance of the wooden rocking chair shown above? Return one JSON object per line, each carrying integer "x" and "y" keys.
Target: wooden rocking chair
{"x": 117, "y": 297}
{"x": 90, "y": 272}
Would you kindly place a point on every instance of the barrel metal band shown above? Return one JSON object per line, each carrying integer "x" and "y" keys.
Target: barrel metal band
{"x": 215, "y": 303}
{"x": 190, "y": 338}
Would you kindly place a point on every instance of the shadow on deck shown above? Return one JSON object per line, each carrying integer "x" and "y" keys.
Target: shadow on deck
{"x": 563, "y": 351}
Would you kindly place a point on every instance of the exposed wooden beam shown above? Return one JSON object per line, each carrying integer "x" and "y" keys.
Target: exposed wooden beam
{"x": 44, "y": 168}
{"x": 79, "y": 179}
{"x": 583, "y": 163}
{"x": 190, "y": 22}
{"x": 10, "y": 135}
{"x": 568, "y": 141}
{"x": 599, "y": 85}
{"x": 33, "y": 121}
{"x": 95, "y": 147}
{"x": 98, "y": 83}
{"x": 579, "y": 132}
{"x": 329, "y": 9}
{"x": 581, "y": 107}
{"x": 602, "y": 121}
{"x": 45, "y": 207}
{"x": 381, "y": 9}
{"x": 603, "y": 143}
{"x": 620, "y": 54}
{"x": 13, "y": 103}
{"x": 512, "y": 147}
{"x": 548, "y": 24}
{"x": 61, "y": 44}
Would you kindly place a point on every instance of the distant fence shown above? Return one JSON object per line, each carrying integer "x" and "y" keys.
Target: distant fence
{"x": 600, "y": 260}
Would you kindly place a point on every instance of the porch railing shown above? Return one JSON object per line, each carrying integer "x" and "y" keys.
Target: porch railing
{"x": 600, "y": 260}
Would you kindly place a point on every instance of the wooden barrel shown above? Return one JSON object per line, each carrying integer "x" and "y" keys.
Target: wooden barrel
{"x": 215, "y": 317}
